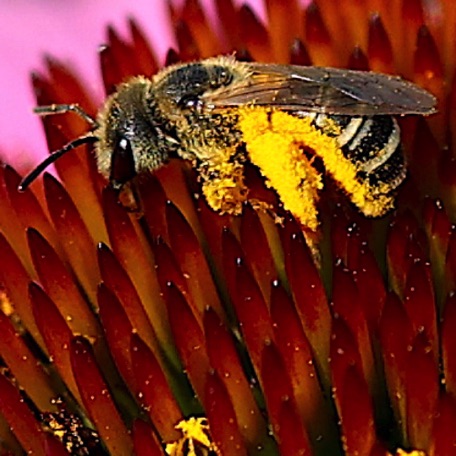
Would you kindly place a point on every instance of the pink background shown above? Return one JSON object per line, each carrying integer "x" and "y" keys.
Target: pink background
{"x": 70, "y": 31}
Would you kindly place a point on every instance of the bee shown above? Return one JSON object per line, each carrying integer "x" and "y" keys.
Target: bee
{"x": 289, "y": 121}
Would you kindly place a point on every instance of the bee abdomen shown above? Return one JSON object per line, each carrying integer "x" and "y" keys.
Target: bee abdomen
{"x": 372, "y": 145}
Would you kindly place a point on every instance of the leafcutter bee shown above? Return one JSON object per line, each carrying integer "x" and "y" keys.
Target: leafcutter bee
{"x": 220, "y": 113}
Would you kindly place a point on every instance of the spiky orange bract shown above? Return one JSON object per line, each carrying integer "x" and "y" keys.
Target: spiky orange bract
{"x": 182, "y": 312}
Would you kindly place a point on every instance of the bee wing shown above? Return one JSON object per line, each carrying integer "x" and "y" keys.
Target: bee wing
{"x": 324, "y": 90}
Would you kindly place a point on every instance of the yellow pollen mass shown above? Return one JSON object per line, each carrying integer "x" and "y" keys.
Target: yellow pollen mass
{"x": 274, "y": 142}
{"x": 223, "y": 183}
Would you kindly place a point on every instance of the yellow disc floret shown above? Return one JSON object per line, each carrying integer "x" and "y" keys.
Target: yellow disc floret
{"x": 195, "y": 439}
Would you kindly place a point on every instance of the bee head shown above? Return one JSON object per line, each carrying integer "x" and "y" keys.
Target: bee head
{"x": 140, "y": 124}
{"x": 132, "y": 136}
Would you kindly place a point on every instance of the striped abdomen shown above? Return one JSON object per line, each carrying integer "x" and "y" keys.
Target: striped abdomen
{"x": 372, "y": 144}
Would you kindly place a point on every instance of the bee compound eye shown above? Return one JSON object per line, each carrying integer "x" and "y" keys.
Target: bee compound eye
{"x": 122, "y": 163}
{"x": 221, "y": 78}
{"x": 190, "y": 102}
{"x": 225, "y": 77}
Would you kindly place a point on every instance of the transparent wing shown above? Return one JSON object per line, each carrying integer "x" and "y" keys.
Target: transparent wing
{"x": 324, "y": 90}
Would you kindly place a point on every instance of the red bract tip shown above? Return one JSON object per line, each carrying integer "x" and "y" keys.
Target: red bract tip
{"x": 110, "y": 72}
{"x": 121, "y": 54}
{"x": 11, "y": 226}
{"x": 344, "y": 354}
{"x": 226, "y": 362}
{"x": 192, "y": 262}
{"x": 168, "y": 270}
{"x": 118, "y": 281}
{"x": 212, "y": 225}
{"x": 243, "y": 55}
{"x": 256, "y": 248}
{"x": 153, "y": 199}
{"x": 452, "y": 107}
{"x": 20, "y": 418}
{"x": 28, "y": 209}
{"x": 407, "y": 244}
{"x": 133, "y": 253}
{"x": 230, "y": 23}
{"x": 145, "y": 440}
{"x": 343, "y": 229}
{"x": 358, "y": 60}
{"x": 145, "y": 58}
{"x": 225, "y": 429}
{"x": 59, "y": 131}
{"x": 74, "y": 236}
{"x": 405, "y": 23}
{"x": 76, "y": 169}
{"x": 20, "y": 361}
{"x": 428, "y": 68}
{"x": 188, "y": 49}
{"x": 438, "y": 229}
{"x": 447, "y": 179}
{"x": 356, "y": 413}
{"x": 351, "y": 391}
{"x": 420, "y": 304}
{"x": 118, "y": 329}
{"x": 178, "y": 179}
{"x": 412, "y": 12}
{"x": 172, "y": 57}
{"x": 67, "y": 87}
{"x": 97, "y": 399}
{"x": 346, "y": 306}
{"x": 49, "y": 91}
{"x": 421, "y": 391}
{"x": 153, "y": 390}
{"x": 299, "y": 54}
{"x": 426, "y": 153}
{"x": 448, "y": 342}
{"x": 291, "y": 435}
{"x": 53, "y": 446}
{"x": 188, "y": 339}
{"x": 450, "y": 263}
{"x": 15, "y": 279}
{"x": 56, "y": 334}
{"x": 444, "y": 440}
{"x": 299, "y": 363}
{"x": 122, "y": 229}
{"x": 379, "y": 49}
{"x": 283, "y": 413}
{"x": 59, "y": 284}
{"x": 317, "y": 37}
{"x": 232, "y": 255}
{"x": 284, "y": 21}
{"x": 172, "y": 11}
{"x": 254, "y": 35}
{"x": 438, "y": 225}
{"x": 252, "y": 313}
{"x": 307, "y": 290}
{"x": 193, "y": 15}
{"x": 396, "y": 336}
{"x": 371, "y": 287}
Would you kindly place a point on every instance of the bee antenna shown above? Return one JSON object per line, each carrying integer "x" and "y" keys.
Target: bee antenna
{"x": 27, "y": 180}
{"x": 52, "y": 109}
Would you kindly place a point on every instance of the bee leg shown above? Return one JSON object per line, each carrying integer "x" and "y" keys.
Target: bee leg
{"x": 223, "y": 186}
{"x": 129, "y": 198}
